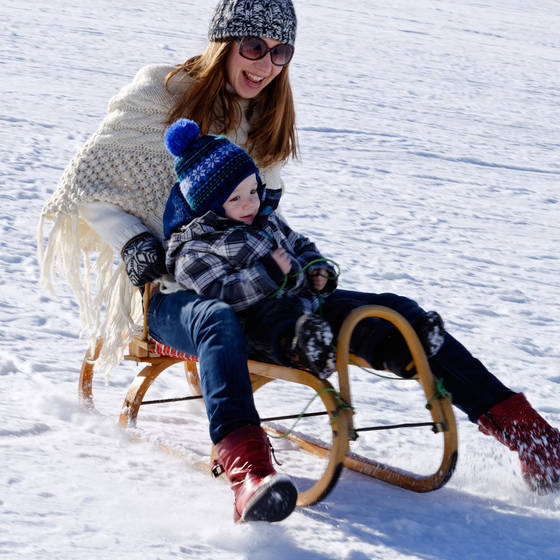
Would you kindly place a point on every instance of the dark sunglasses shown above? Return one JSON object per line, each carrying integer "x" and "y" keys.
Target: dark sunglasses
{"x": 255, "y": 48}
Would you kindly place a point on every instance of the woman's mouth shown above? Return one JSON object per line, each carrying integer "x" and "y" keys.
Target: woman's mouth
{"x": 253, "y": 79}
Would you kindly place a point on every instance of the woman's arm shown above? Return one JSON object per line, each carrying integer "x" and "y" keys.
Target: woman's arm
{"x": 141, "y": 251}
{"x": 115, "y": 226}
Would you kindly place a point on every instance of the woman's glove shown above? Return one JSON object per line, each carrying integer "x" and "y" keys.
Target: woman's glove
{"x": 144, "y": 259}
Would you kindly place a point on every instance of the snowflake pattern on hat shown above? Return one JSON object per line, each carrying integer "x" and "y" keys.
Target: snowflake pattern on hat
{"x": 208, "y": 167}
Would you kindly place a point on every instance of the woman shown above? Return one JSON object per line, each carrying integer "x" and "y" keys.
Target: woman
{"x": 111, "y": 199}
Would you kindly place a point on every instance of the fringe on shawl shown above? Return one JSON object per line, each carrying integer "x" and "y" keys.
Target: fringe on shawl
{"x": 113, "y": 309}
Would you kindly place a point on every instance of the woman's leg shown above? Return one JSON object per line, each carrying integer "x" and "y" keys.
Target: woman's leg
{"x": 473, "y": 387}
{"x": 500, "y": 412}
{"x": 209, "y": 329}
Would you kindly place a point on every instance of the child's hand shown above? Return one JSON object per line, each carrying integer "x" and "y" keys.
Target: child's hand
{"x": 282, "y": 259}
{"x": 318, "y": 278}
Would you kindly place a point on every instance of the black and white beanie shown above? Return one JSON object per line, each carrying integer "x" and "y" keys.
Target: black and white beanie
{"x": 275, "y": 19}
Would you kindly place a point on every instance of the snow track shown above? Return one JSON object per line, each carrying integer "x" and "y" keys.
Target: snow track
{"x": 429, "y": 138}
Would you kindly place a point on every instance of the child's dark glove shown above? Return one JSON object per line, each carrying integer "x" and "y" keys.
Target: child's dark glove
{"x": 144, "y": 259}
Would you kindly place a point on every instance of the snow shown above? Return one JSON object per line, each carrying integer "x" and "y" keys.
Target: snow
{"x": 429, "y": 138}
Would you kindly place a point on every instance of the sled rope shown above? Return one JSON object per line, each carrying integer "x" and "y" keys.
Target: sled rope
{"x": 396, "y": 426}
{"x": 296, "y": 274}
{"x": 302, "y": 414}
{"x": 372, "y": 372}
{"x": 178, "y": 399}
{"x": 441, "y": 393}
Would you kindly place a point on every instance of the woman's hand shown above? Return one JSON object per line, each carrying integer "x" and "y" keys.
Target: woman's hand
{"x": 144, "y": 259}
{"x": 318, "y": 278}
{"x": 282, "y": 259}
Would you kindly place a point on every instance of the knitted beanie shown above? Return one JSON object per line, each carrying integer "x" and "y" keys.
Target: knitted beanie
{"x": 275, "y": 19}
{"x": 208, "y": 167}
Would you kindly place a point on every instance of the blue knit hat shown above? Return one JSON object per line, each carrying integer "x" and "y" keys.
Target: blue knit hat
{"x": 208, "y": 167}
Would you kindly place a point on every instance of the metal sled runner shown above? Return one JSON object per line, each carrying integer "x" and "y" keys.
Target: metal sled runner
{"x": 337, "y": 403}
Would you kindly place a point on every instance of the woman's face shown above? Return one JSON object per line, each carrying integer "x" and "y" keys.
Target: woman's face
{"x": 249, "y": 77}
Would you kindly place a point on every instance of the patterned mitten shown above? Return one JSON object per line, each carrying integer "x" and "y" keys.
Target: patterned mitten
{"x": 144, "y": 259}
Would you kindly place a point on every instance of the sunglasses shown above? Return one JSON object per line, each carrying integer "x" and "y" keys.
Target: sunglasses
{"x": 255, "y": 48}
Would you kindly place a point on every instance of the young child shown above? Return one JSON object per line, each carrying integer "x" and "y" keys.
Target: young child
{"x": 226, "y": 241}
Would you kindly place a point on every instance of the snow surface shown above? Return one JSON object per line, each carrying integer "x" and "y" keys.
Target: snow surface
{"x": 430, "y": 135}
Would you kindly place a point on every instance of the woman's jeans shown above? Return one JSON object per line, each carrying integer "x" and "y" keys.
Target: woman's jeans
{"x": 209, "y": 329}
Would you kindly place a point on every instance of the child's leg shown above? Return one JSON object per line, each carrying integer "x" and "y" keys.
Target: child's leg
{"x": 269, "y": 328}
{"x": 313, "y": 346}
{"x": 281, "y": 332}
{"x": 473, "y": 387}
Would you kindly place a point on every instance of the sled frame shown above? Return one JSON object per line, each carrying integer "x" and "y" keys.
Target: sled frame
{"x": 337, "y": 403}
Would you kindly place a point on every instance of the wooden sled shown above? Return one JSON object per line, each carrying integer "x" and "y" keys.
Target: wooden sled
{"x": 337, "y": 404}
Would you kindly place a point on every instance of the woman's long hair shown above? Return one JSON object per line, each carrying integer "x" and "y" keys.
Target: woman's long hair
{"x": 208, "y": 102}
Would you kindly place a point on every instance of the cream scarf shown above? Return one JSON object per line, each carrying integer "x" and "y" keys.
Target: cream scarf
{"x": 124, "y": 163}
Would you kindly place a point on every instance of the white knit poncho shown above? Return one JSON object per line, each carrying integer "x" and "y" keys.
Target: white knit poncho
{"x": 125, "y": 164}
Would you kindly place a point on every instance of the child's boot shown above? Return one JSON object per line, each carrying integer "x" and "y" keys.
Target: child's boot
{"x": 516, "y": 424}
{"x": 261, "y": 494}
{"x": 312, "y": 346}
{"x": 394, "y": 354}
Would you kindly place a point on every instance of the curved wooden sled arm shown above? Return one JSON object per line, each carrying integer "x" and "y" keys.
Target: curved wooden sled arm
{"x": 440, "y": 408}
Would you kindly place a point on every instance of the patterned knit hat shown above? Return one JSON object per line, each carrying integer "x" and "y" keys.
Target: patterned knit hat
{"x": 275, "y": 19}
{"x": 208, "y": 167}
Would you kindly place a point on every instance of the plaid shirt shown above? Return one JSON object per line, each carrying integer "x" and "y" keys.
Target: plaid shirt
{"x": 224, "y": 259}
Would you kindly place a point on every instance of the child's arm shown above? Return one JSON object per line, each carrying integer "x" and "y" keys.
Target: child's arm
{"x": 282, "y": 260}
{"x": 321, "y": 273}
{"x": 318, "y": 278}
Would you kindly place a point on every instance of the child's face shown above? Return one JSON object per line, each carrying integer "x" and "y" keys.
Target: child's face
{"x": 243, "y": 203}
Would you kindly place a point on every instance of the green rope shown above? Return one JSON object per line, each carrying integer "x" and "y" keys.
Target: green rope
{"x": 342, "y": 406}
{"x": 280, "y": 289}
{"x": 371, "y": 372}
{"x": 441, "y": 393}
{"x": 323, "y": 259}
{"x": 304, "y": 268}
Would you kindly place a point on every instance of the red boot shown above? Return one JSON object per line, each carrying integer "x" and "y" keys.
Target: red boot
{"x": 261, "y": 494}
{"x": 516, "y": 424}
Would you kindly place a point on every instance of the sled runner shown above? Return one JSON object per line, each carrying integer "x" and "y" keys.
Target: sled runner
{"x": 337, "y": 403}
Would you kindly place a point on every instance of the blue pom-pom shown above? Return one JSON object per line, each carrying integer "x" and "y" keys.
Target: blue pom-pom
{"x": 180, "y": 135}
